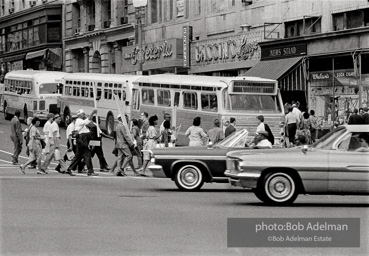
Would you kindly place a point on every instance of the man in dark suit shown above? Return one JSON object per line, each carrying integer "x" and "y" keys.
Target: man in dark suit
{"x": 355, "y": 118}
{"x": 365, "y": 116}
{"x": 124, "y": 144}
{"x": 16, "y": 136}
{"x": 231, "y": 127}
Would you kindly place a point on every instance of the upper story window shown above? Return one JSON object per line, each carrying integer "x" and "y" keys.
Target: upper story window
{"x": 307, "y": 25}
{"x": 352, "y": 19}
{"x": 219, "y": 5}
{"x": 154, "y": 11}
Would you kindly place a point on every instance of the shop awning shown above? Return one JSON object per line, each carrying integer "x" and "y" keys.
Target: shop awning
{"x": 36, "y": 54}
{"x": 52, "y": 56}
{"x": 273, "y": 69}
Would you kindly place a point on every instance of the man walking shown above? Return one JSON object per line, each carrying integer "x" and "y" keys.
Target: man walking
{"x": 97, "y": 135}
{"x": 16, "y": 136}
{"x": 231, "y": 127}
{"x": 83, "y": 139}
{"x": 54, "y": 145}
{"x": 166, "y": 118}
{"x": 124, "y": 144}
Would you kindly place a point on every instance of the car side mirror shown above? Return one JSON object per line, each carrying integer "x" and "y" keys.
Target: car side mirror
{"x": 304, "y": 148}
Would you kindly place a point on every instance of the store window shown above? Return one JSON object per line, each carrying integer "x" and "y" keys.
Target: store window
{"x": 351, "y": 19}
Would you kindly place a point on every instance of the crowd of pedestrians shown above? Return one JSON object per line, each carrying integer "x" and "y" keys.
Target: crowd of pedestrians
{"x": 84, "y": 139}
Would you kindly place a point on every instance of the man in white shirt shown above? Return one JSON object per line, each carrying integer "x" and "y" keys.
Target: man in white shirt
{"x": 166, "y": 117}
{"x": 47, "y": 131}
{"x": 297, "y": 112}
{"x": 83, "y": 139}
{"x": 261, "y": 126}
{"x": 54, "y": 145}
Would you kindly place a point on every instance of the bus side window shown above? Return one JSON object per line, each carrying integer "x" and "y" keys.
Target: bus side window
{"x": 148, "y": 96}
{"x": 176, "y": 99}
{"x": 209, "y": 102}
{"x": 91, "y": 92}
{"x": 190, "y": 100}
{"x": 76, "y": 91}
{"x": 163, "y": 97}
{"x": 99, "y": 93}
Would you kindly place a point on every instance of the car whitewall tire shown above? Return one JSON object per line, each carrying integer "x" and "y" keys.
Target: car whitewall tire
{"x": 189, "y": 177}
{"x": 279, "y": 188}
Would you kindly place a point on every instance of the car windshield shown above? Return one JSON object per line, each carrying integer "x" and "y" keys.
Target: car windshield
{"x": 326, "y": 142}
{"x": 237, "y": 139}
{"x": 51, "y": 88}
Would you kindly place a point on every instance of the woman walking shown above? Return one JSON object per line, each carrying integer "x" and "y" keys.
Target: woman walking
{"x": 195, "y": 133}
{"x": 34, "y": 145}
{"x": 152, "y": 137}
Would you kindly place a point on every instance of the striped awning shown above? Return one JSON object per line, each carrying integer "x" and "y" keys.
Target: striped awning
{"x": 273, "y": 69}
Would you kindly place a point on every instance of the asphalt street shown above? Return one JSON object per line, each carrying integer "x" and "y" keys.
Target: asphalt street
{"x": 57, "y": 214}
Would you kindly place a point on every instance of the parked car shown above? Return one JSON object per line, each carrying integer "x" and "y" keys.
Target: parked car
{"x": 332, "y": 165}
{"x": 190, "y": 167}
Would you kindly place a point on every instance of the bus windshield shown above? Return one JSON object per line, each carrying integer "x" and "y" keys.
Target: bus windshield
{"x": 253, "y": 103}
{"x": 51, "y": 88}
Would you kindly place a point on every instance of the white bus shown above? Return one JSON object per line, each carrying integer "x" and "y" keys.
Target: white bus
{"x": 78, "y": 94}
{"x": 33, "y": 92}
{"x": 186, "y": 97}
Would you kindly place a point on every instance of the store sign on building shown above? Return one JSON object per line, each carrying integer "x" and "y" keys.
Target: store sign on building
{"x": 154, "y": 54}
{"x": 187, "y": 38}
{"x": 283, "y": 51}
{"x": 327, "y": 75}
{"x": 225, "y": 50}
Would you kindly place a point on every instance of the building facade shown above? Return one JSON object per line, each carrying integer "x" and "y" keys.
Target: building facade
{"x": 317, "y": 50}
{"x": 30, "y": 35}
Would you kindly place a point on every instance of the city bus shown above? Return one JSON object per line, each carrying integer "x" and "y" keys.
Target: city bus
{"x": 33, "y": 92}
{"x": 185, "y": 97}
{"x": 78, "y": 93}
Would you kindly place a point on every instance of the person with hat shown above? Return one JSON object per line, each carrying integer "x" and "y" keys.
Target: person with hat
{"x": 216, "y": 134}
{"x": 261, "y": 141}
{"x": 83, "y": 138}
{"x": 124, "y": 144}
{"x": 54, "y": 142}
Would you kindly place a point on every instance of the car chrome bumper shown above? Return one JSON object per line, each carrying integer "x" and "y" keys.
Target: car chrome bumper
{"x": 243, "y": 179}
{"x": 157, "y": 171}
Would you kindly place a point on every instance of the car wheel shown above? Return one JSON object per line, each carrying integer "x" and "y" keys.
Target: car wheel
{"x": 278, "y": 188}
{"x": 189, "y": 177}
{"x": 110, "y": 125}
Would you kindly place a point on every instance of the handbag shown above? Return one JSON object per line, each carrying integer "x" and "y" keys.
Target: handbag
{"x": 43, "y": 143}
{"x": 57, "y": 155}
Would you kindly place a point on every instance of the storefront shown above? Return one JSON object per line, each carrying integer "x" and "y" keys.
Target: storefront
{"x": 339, "y": 74}
{"x": 158, "y": 58}
{"x": 226, "y": 56}
{"x": 287, "y": 63}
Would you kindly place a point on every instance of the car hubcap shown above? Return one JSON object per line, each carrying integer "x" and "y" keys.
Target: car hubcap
{"x": 280, "y": 187}
{"x": 189, "y": 177}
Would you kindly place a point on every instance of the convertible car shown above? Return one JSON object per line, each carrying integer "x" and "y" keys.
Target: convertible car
{"x": 190, "y": 167}
{"x": 337, "y": 164}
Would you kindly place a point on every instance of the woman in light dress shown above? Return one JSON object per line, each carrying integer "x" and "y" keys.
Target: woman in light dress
{"x": 196, "y": 134}
{"x": 152, "y": 136}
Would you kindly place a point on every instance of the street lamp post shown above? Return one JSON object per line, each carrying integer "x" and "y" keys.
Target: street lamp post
{"x": 140, "y": 13}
